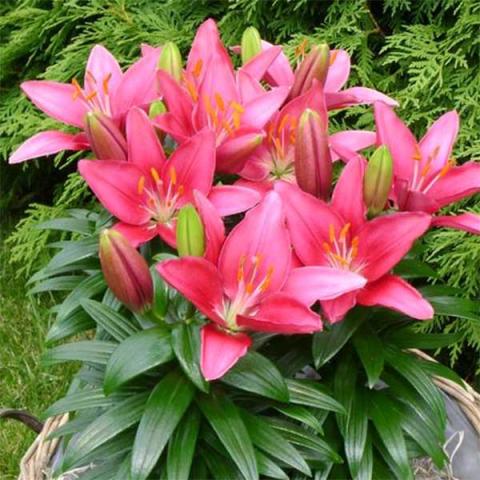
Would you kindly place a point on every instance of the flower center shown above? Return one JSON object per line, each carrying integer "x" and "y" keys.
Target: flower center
{"x": 281, "y": 148}
{"x": 90, "y": 96}
{"x": 161, "y": 200}
{"x": 252, "y": 284}
{"x": 422, "y": 180}
{"x": 341, "y": 251}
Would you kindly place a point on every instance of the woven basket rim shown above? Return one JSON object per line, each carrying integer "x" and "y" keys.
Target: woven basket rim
{"x": 36, "y": 460}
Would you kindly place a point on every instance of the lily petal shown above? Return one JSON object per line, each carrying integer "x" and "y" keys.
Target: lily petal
{"x": 115, "y": 184}
{"x": 232, "y": 199}
{"x": 259, "y": 110}
{"x": 384, "y": 241}
{"x": 280, "y": 72}
{"x": 338, "y": 71}
{"x": 248, "y": 87}
{"x": 57, "y": 100}
{"x": 193, "y": 163}
{"x": 347, "y": 198}
{"x": 353, "y": 140}
{"x": 458, "y": 183}
{"x": 213, "y": 226}
{"x": 393, "y": 133}
{"x": 259, "y": 64}
{"x": 309, "y": 284}
{"x": 469, "y": 222}
{"x": 220, "y": 351}
{"x": 136, "y": 234}
{"x": 171, "y": 125}
{"x": 47, "y": 143}
{"x": 357, "y": 96}
{"x": 197, "y": 280}
{"x": 337, "y": 308}
{"x": 308, "y": 220}
{"x": 437, "y": 144}
{"x": 262, "y": 234}
{"x": 144, "y": 148}
{"x": 282, "y": 313}
{"x": 395, "y": 293}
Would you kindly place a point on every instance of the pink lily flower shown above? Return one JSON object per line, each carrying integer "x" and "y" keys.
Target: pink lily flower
{"x": 425, "y": 176}
{"x": 243, "y": 290}
{"x": 146, "y": 191}
{"x": 338, "y": 236}
{"x": 105, "y": 90}
{"x": 212, "y": 95}
{"x": 281, "y": 73}
{"x": 274, "y": 159}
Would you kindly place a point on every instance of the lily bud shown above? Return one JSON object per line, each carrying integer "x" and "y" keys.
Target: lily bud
{"x": 378, "y": 179}
{"x": 105, "y": 138}
{"x": 313, "y": 162}
{"x": 313, "y": 67}
{"x": 126, "y": 271}
{"x": 190, "y": 233}
{"x": 157, "y": 107}
{"x": 171, "y": 60}
{"x": 251, "y": 44}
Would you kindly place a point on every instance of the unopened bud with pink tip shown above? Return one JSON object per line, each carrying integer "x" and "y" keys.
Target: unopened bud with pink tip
{"x": 313, "y": 162}
{"x": 190, "y": 233}
{"x": 126, "y": 271}
{"x": 313, "y": 67}
{"x": 378, "y": 179}
{"x": 106, "y": 140}
{"x": 171, "y": 60}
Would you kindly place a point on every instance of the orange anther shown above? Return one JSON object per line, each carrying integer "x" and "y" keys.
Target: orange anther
{"x": 237, "y": 107}
{"x": 445, "y": 169}
{"x": 426, "y": 168}
{"x": 91, "y": 95}
{"x": 191, "y": 89}
{"x": 331, "y": 233}
{"x": 344, "y": 231}
{"x": 327, "y": 247}
{"x": 417, "y": 155}
{"x": 268, "y": 278}
{"x": 105, "y": 83}
{"x": 141, "y": 185}
{"x": 227, "y": 127}
{"x": 333, "y": 56}
{"x": 283, "y": 122}
{"x": 181, "y": 190}
{"x": 219, "y": 101}
{"x": 155, "y": 175}
{"x": 240, "y": 271}
{"x": 173, "y": 175}
{"x": 236, "y": 120}
{"x": 249, "y": 287}
{"x": 197, "y": 69}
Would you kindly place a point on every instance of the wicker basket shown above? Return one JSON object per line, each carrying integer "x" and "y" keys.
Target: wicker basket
{"x": 34, "y": 464}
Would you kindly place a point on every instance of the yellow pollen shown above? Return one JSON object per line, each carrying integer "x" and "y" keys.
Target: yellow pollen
{"x": 237, "y": 107}
{"x": 344, "y": 231}
{"x": 155, "y": 175}
{"x": 340, "y": 259}
{"x": 331, "y": 233}
{"x": 173, "y": 175}
{"x": 236, "y": 120}
{"x": 220, "y": 102}
{"x": 283, "y": 122}
{"x": 105, "y": 83}
{"x": 197, "y": 68}
{"x": 333, "y": 57}
{"x": 141, "y": 185}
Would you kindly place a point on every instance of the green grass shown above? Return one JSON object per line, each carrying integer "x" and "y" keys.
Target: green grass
{"x": 24, "y": 382}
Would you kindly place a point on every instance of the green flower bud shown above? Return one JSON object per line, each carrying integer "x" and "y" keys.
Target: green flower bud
{"x": 171, "y": 60}
{"x": 313, "y": 67}
{"x": 251, "y": 44}
{"x": 313, "y": 162}
{"x": 105, "y": 138}
{"x": 378, "y": 179}
{"x": 126, "y": 271}
{"x": 190, "y": 232}
{"x": 157, "y": 107}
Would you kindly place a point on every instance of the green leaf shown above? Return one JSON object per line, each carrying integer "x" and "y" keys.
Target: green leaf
{"x": 91, "y": 286}
{"x": 268, "y": 468}
{"x": 355, "y": 437}
{"x": 57, "y": 284}
{"x": 93, "y": 351}
{"x": 76, "y": 322}
{"x": 225, "y": 420}
{"x": 365, "y": 467}
{"x": 255, "y": 373}
{"x": 412, "y": 268}
{"x": 73, "y": 251}
{"x": 302, "y": 414}
{"x": 369, "y": 349}
{"x": 185, "y": 340}
{"x": 344, "y": 384}
{"x": 116, "y": 325}
{"x": 181, "y": 446}
{"x": 221, "y": 468}
{"x": 446, "y": 304}
{"x": 108, "y": 425}
{"x": 431, "y": 367}
{"x": 303, "y": 438}
{"x": 387, "y": 421}
{"x": 164, "y": 410}
{"x": 409, "y": 338}
{"x": 68, "y": 224}
{"x": 312, "y": 394}
{"x": 327, "y": 343}
{"x": 89, "y": 398}
{"x": 136, "y": 355}
{"x": 270, "y": 441}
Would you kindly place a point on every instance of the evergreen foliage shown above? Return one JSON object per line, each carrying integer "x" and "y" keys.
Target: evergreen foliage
{"x": 425, "y": 54}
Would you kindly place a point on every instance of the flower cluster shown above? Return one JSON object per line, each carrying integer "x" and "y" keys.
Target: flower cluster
{"x": 177, "y": 149}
